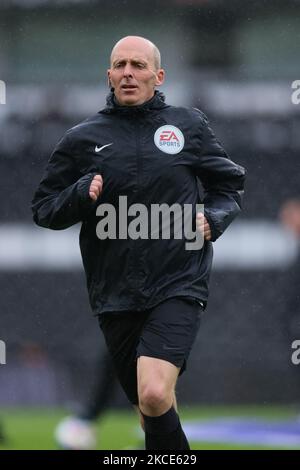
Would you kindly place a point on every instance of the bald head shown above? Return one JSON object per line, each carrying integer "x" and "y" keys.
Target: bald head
{"x": 139, "y": 44}
{"x": 134, "y": 70}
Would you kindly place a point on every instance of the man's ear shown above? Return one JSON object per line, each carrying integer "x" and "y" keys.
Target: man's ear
{"x": 160, "y": 77}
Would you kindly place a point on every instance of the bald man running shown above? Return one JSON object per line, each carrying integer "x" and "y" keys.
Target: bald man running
{"x": 147, "y": 290}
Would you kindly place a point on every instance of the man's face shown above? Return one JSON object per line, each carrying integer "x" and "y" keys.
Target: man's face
{"x": 133, "y": 74}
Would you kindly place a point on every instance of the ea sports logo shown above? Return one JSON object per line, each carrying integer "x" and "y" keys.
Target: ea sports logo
{"x": 169, "y": 139}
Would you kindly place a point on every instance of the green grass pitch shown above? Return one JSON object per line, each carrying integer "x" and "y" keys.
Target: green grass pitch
{"x": 33, "y": 428}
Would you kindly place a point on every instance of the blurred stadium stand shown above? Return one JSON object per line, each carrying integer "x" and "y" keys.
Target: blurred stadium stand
{"x": 234, "y": 61}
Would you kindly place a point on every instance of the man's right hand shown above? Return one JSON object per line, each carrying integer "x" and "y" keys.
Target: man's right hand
{"x": 96, "y": 187}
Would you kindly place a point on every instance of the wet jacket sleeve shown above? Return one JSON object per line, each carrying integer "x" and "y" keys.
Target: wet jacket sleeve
{"x": 222, "y": 180}
{"x": 62, "y": 197}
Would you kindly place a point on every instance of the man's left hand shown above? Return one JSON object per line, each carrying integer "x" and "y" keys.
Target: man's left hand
{"x": 203, "y": 226}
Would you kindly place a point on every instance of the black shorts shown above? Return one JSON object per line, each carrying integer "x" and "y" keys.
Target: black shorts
{"x": 166, "y": 331}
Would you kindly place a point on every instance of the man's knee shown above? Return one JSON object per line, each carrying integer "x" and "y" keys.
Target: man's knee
{"x": 155, "y": 396}
{"x": 156, "y": 385}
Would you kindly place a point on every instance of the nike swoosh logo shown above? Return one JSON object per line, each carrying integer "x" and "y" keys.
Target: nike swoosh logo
{"x": 98, "y": 149}
{"x": 170, "y": 349}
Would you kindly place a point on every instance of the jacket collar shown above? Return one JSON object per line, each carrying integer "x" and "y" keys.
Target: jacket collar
{"x": 155, "y": 103}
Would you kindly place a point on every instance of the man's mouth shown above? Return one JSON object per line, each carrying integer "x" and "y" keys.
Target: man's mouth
{"x": 128, "y": 87}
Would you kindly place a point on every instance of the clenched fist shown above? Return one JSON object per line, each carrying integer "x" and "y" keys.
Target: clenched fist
{"x": 203, "y": 226}
{"x": 96, "y": 187}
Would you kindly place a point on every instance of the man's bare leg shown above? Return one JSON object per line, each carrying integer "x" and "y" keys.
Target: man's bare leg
{"x": 158, "y": 406}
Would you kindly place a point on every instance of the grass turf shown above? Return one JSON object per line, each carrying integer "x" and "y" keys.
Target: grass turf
{"x": 33, "y": 428}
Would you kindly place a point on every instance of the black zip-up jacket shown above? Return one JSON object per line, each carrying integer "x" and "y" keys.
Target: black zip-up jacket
{"x": 135, "y": 274}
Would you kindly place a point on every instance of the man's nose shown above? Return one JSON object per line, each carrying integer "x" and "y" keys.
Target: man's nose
{"x": 128, "y": 70}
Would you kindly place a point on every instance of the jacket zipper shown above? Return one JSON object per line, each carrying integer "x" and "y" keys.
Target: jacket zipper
{"x": 136, "y": 253}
